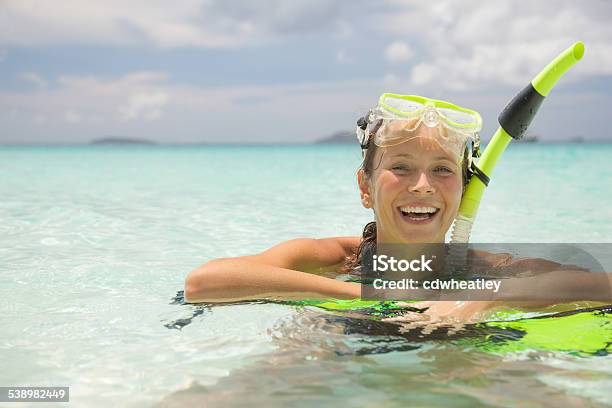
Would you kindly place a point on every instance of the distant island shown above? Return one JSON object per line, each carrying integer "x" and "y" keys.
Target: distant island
{"x": 339, "y": 137}
{"x": 120, "y": 140}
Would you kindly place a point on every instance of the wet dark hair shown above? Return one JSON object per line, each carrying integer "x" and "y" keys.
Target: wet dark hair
{"x": 367, "y": 245}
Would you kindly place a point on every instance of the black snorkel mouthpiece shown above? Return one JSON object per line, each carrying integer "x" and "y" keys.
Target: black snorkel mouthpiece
{"x": 518, "y": 114}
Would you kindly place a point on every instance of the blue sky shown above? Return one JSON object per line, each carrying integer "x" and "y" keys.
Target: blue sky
{"x": 286, "y": 71}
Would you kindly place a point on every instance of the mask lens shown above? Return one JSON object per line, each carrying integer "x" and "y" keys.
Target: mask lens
{"x": 402, "y": 106}
{"x": 458, "y": 117}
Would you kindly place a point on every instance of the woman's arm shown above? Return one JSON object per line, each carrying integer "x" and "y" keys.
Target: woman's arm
{"x": 541, "y": 282}
{"x": 561, "y": 286}
{"x": 281, "y": 272}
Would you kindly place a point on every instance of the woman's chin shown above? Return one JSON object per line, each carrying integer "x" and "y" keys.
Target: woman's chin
{"x": 416, "y": 231}
{"x": 416, "y": 236}
{"x": 419, "y": 238}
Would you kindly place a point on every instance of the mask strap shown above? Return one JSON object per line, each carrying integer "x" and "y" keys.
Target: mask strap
{"x": 479, "y": 173}
{"x": 364, "y": 139}
{"x": 472, "y": 168}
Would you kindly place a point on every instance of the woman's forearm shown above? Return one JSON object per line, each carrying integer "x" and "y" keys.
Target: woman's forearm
{"x": 233, "y": 279}
{"x": 557, "y": 287}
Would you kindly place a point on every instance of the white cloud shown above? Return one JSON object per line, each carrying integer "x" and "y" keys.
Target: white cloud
{"x": 33, "y": 78}
{"x": 391, "y": 80}
{"x": 85, "y": 103}
{"x": 453, "y": 51}
{"x": 472, "y": 43}
{"x": 342, "y": 57}
{"x": 344, "y": 30}
{"x": 146, "y": 105}
{"x": 191, "y": 23}
{"x": 78, "y": 109}
{"x": 398, "y": 51}
{"x": 113, "y": 22}
{"x": 71, "y": 116}
{"x": 423, "y": 74}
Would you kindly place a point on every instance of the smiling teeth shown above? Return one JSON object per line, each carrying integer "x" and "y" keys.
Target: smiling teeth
{"x": 418, "y": 209}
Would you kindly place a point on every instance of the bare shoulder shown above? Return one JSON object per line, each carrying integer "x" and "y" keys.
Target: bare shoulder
{"x": 309, "y": 254}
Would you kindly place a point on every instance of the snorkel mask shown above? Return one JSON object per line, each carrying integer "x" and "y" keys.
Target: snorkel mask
{"x": 399, "y": 118}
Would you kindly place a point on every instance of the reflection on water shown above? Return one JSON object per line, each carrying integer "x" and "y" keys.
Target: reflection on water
{"x": 323, "y": 358}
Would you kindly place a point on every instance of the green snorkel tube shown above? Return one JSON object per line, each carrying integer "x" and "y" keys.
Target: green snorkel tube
{"x": 513, "y": 121}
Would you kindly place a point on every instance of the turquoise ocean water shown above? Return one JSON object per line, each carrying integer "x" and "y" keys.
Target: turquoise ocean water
{"x": 95, "y": 241}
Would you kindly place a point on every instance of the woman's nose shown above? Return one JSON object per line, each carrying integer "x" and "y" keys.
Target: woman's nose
{"x": 422, "y": 185}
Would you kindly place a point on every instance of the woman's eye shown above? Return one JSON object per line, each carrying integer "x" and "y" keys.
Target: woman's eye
{"x": 443, "y": 169}
{"x": 400, "y": 167}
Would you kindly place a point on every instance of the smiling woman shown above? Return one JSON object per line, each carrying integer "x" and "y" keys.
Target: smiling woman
{"x": 416, "y": 165}
{"x": 417, "y": 161}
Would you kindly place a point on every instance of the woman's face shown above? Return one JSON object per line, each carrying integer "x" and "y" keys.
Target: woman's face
{"x": 415, "y": 190}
